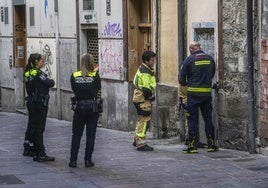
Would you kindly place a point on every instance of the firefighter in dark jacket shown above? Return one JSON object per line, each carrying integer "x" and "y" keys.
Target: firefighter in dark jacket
{"x": 145, "y": 83}
{"x": 39, "y": 106}
{"x": 86, "y": 85}
{"x": 197, "y": 73}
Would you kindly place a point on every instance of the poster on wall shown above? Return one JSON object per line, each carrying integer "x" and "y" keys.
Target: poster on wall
{"x": 45, "y": 47}
{"x": 111, "y": 23}
{"x": 111, "y": 59}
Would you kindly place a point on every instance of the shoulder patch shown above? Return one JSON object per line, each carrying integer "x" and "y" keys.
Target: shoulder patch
{"x": 42, "y": 77}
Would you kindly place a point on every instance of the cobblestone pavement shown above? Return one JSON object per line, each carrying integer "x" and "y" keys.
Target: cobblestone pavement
{"x": 119, "y": 165}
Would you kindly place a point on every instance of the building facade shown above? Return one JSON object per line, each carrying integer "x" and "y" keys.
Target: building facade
{"x": 116, "y": 33}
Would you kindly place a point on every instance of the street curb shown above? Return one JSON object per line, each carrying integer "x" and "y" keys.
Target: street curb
{"x": 263, "y": 151}
{"x": 22, "y": 111}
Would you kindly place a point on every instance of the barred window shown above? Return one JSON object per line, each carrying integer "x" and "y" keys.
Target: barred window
{"x": 88, "y": 4}
{"x": 31, "y": 10}
{"x": 2, "y": 14}
{"x": 6, "y": 15}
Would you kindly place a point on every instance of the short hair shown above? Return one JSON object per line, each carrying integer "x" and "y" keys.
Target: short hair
{"x": 147, "y": 55}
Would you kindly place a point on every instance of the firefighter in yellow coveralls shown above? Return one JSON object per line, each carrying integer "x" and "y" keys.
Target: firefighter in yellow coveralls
{"x": 143, "y": 96}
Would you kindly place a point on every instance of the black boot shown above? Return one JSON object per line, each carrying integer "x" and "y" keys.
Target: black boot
{"x": 192, "y": 147}
{"x": 27, "y": 150}
{"x": 145, "y": 148}
{"x": 134, "y": 143}
{"x": 211, "y": 144}
{"x": 73, "y": 164}
{"x": 89, "y": 163}
{"x": 44, "y": 157}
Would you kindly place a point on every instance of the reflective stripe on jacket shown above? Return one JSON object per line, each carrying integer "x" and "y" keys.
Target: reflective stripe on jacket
{"x": 145, "y": 81}
{"x": 197, "y": 73}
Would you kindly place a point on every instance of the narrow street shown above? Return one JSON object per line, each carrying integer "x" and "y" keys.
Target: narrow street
{"x": 119, "y": 165}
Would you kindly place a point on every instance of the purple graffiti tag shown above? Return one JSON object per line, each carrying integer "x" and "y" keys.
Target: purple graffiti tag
{"x": 113, "y": 30}
{"x": 111, "y": 62}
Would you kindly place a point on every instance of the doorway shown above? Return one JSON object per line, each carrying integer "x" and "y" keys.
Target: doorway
{"x": 19, "y": 36}
{"x": 139, "y": 33}
{"x": 20, "y": 56}
{"x": 205, "y": 34}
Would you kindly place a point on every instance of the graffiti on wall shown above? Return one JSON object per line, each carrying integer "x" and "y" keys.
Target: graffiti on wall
{"x": 111, "y": 59}
{"x": 46, "y": 7}
{"x": 48, "y": 60}
{"x": 113, "y": 30}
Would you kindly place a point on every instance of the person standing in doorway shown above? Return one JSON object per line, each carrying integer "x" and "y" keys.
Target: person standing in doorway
{"x": 86, "y": 85}
{"x": 39, "y": 106}
{"x": 145, "y": 83}
{"x": 197, "y": 73}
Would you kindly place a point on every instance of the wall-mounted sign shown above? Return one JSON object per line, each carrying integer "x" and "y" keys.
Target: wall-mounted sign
{"x": 108, "y": 7}
{"x": 10, "y": 61}
{"x": 20, "y": 52}
{"x": 2, "y": 14}
{"x": 88, "y": 17}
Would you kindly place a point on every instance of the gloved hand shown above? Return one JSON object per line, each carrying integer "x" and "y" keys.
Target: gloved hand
{"x": 152, "y": 98}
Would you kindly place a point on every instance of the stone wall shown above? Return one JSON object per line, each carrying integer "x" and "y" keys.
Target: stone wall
{"x": 164, "y": 120}
{"x": 233, "y": 93}
{"x": 263, "y": 90}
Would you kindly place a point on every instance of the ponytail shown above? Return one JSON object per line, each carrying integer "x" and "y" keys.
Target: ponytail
{"x": 33, "y": 59}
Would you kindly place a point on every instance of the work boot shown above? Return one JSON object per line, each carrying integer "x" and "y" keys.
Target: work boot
{"x": 145, "y": 148}
{"x": 44, "y": 158}
{"x": 134, "y": 143}
{"x": 186, "y": 142}
{"x": 211, "y": 145}
{"x": 27, "y": 152}
{"x": 89, "y": 163}
{"x": 191, "y": 148}
{"x": 73, "y": 164}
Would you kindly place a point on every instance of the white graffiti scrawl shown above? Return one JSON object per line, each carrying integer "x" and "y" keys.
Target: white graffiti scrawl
{"x": 48, "y": 60}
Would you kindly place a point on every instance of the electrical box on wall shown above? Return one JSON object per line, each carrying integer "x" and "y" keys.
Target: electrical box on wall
{"x": 88, "y": 17}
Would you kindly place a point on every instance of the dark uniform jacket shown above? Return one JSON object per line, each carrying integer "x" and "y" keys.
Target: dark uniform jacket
{"x": 37, "y": 82}
{"x": 87, "y": 87}
{"x": 197, "y": 73}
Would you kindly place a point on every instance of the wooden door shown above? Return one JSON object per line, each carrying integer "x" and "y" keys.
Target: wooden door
{"x": 19, "y": 36}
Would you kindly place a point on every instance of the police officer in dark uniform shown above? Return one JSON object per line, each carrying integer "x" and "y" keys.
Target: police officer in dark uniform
{"x": 197, "y": 73}
{"x": 28, "y": 78}
{"x": 86, "y": 86}
{"x": 39, "y": 106}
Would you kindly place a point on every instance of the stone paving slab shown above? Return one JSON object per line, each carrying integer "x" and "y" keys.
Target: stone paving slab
{"x": 119, "y": 165}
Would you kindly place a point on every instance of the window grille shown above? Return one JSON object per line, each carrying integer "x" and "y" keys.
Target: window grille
{"x": 88, "y": 4}
{"x": 6, "y": 15}
{"x": 93, "y": 45}
{"x": 31, "y": 10}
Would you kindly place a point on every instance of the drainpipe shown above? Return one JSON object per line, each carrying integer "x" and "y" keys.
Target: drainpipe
{"x": 58, "y": 94}
{"x": 181, "y": 27}
{"x": 251, "y": 126}
{"x": 77, "y": 34}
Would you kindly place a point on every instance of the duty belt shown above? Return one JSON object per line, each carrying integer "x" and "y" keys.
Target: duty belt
{"x": 85, "y": 100}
